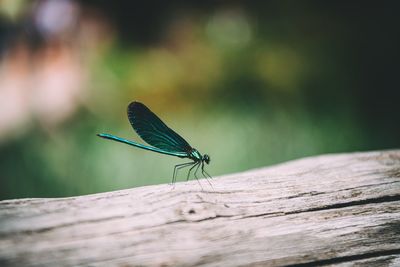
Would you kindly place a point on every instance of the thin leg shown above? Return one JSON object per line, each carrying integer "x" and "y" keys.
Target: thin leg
{"x": 195, "y": 172}
{"x": 188, "y": 175}
{"x": 204, "y": 171}
{"x": 191, "y": 168}
{"x": 177, "y": 167}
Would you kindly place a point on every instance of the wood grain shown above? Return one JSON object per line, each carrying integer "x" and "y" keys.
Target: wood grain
{"x": 339, "y": 210}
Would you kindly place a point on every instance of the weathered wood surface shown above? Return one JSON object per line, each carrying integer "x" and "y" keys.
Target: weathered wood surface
{"x": 335, "y": 209}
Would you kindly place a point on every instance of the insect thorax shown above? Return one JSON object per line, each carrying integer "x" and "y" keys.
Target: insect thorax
{"x": 195, "y": 155}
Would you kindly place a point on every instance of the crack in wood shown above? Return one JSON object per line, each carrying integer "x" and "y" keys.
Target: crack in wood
{"x": 367, "y": 201}
{"x": 348, "y": 258}
{"x": 47, "y": 229}
{"x": 329, "y": 207}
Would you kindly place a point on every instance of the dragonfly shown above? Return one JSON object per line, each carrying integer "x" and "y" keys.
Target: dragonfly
{"x": 162, "y": 139}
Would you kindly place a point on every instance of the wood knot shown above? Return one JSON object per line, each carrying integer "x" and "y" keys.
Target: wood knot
{"x": 197, "y": 211}
{"x": 192, "y": 211}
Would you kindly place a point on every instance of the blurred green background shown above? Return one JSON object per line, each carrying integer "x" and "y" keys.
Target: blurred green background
{"x": 251, "y": 83}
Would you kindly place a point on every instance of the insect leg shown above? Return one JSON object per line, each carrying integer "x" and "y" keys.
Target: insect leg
{"x": 196, "y": 164}
{"x": 188, "y": 175}
{"x": 176, "y": 168}
{"x": 204, "y": 171}
{"x": 195, "y": 172}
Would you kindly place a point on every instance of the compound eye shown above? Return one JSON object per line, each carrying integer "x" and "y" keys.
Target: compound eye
{"x": 207, "y": 159}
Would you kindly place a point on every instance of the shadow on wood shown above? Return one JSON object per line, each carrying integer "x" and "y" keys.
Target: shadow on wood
{"x": 331, "y": 209}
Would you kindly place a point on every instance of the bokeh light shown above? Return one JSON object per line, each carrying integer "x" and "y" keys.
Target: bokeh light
{"x": 250, "y": 83}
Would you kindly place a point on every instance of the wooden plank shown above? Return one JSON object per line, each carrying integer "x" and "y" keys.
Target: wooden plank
{"x": 332, "y": 209}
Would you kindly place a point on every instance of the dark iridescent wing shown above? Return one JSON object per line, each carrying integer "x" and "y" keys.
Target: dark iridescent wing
{"x": 152, "y": 130}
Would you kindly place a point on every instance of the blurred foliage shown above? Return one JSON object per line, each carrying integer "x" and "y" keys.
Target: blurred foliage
{"x": 250, "y": 83}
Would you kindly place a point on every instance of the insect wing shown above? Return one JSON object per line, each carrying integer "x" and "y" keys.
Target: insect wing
{"x": 152, "y": 130}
